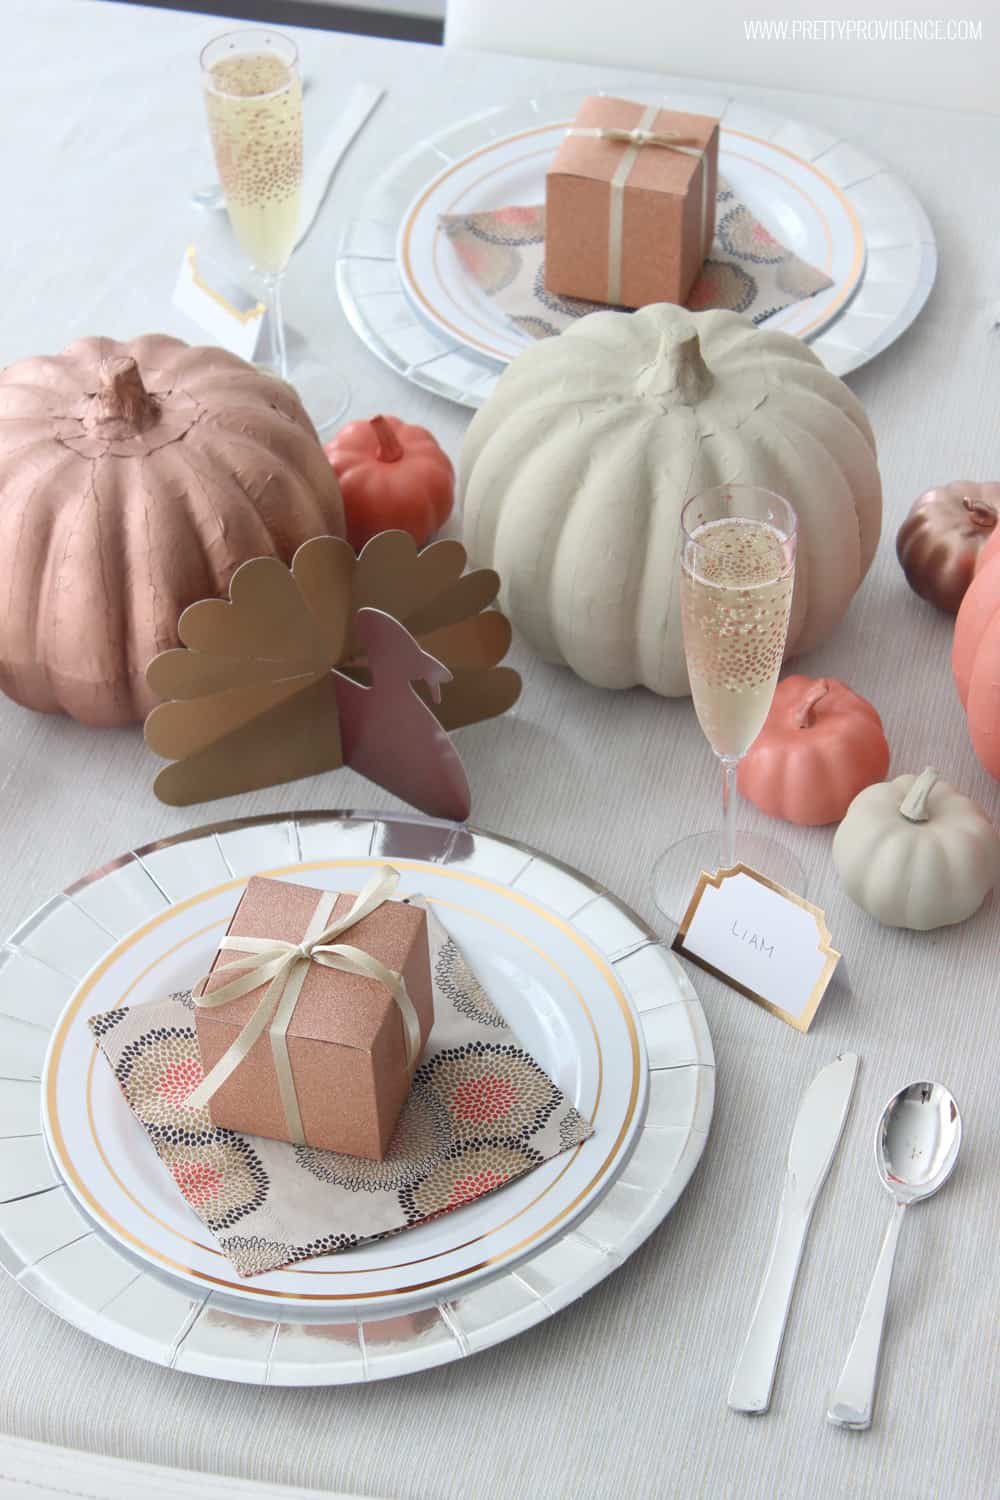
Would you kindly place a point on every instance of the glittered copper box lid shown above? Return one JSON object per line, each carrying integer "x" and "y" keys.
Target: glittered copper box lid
{"x": 346, "y": 1044}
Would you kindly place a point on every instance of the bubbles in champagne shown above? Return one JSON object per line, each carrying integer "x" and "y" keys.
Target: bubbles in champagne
{"x": 254, "y": 103}
{"x": 736, "y": 596}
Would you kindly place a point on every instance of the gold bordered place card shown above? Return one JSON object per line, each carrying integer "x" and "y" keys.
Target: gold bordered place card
{"x": 207, "y": 293}
{"x": 766, "y": 942}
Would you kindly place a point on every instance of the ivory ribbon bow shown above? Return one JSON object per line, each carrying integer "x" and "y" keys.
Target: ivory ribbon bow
{"x": 285, "y": 966}
{"x": 635, "y": 140}
{"x": 637, "y": 137}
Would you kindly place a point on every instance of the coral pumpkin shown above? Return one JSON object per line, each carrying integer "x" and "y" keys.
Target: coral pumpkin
{"x": 975, "y": 656}
{"x": 393, "y": 477}
{"x": 134, "y": 479}
{"x": 821, "y": 744}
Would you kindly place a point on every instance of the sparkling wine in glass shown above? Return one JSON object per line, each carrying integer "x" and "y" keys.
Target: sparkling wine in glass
{"x": 736, "y": 598}
{"x": 737, "y": 567}
{"x": 253, "y": 97}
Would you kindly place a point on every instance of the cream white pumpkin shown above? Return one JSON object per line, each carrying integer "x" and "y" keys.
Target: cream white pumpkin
{"x": 574, "y": 473}
{"x": 916, "y": 853}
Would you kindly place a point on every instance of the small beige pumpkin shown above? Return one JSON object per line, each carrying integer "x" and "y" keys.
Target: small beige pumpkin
{"x": 914, "y": 852}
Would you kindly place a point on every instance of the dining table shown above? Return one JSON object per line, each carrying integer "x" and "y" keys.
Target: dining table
{"x": 624, "y": 1392}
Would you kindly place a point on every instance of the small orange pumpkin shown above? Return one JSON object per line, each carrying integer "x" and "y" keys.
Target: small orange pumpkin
{"x": 975, "y": 656}
{"x": 393, "y": 477}
{"x": 821, "y": 744}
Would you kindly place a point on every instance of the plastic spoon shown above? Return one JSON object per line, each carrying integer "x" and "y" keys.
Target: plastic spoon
{"x": 916, "y": 1147}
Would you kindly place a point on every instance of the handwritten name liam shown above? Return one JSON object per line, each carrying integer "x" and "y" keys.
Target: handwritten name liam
{"x": 752, "y": 939}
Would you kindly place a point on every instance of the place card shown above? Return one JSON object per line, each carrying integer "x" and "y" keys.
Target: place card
{"x": 228, "y": 313}
{"x": 766, "y": 942}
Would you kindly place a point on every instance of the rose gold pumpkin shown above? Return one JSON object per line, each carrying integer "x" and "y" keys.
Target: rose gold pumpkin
{"x": 134, "y": 479}
{"x": 939, "y": 542}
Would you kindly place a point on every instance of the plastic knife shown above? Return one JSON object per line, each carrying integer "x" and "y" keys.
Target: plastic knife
{"x": 815, "y": 1137}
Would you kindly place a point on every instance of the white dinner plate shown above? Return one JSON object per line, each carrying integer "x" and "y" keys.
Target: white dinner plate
{"x": 94, "y": 1227}
{"x": 796, "y": 201}
{"x": 812, "y": 188}
{"x": 560, "y": 997}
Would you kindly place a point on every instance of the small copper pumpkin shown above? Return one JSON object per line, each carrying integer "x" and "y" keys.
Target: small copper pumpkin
{"x": 939, "y": 542}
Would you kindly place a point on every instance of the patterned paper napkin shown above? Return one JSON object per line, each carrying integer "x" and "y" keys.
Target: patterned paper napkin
{"x": 480, "y": 1113}
{"x": 748, "y": 270}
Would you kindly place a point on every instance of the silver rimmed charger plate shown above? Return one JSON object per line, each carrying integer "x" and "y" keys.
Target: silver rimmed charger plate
{"x": 76, "y": 1265}
{"x": 900, "y": 254}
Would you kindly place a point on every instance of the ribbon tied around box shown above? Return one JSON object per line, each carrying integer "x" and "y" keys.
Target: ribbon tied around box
{"x": 671, "y": 140}
{"x": 283, "y": 967}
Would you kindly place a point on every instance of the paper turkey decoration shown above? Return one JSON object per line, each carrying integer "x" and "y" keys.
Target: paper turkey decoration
{"x": 366, "y": 661}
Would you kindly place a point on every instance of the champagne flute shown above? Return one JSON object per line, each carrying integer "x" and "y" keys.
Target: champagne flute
{"x": 253, "y": 97}
{"x": 737, "y": 578}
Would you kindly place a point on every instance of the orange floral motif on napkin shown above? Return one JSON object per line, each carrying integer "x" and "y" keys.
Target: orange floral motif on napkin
{"x": 748, "y": 270}
{"x": 481, "y": 1112}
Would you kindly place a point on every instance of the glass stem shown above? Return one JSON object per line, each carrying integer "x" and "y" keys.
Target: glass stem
{"x": 274, "y": 354}
{"x": 729, "y": 764}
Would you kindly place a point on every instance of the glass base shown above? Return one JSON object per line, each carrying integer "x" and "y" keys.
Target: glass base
{"x": 324, "y": 393}
{"x": 677, "y": 870}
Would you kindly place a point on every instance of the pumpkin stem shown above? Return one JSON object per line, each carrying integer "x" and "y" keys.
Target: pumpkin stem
{"x": 914, "y": 804}
{"x": 805, "y": 717}
{"x": 123, "y": 397}
{"x": 677, "y": 371}
{"x": 390, "y": 449}
{"x": 980, "y": 514}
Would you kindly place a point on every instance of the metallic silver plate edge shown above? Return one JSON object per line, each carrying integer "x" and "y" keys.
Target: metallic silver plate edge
{"x": 907, "y": 217}
{"x": 640, "y": 1210}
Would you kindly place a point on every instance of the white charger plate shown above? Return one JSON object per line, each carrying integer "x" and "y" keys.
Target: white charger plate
{"x": 900, "y": 257}
{"x": 797, "y": 202}
{"x": 603, "y": 1006}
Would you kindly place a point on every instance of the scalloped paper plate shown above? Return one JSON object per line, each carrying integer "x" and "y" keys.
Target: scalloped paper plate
{"x": 815, "y": 191}
{"x": 799, "y": 204}
{"x": 90, "y": 1224}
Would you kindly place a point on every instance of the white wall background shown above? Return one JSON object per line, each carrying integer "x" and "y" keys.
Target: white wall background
{"x": 707, "y": 39}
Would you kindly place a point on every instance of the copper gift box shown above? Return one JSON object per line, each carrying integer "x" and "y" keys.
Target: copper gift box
{"x": 630, "y": 224}
{"x": 346, "y": 1043}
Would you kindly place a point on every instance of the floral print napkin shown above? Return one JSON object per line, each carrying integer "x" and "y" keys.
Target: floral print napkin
{"x": 748, "y": 270}
{"x": 481, "y": 1112}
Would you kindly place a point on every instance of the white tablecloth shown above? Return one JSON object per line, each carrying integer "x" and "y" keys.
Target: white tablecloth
{"x": 624, "y": 1394}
